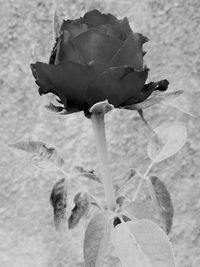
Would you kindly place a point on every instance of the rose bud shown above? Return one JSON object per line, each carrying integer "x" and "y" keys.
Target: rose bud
{"x": 96, "y": 57}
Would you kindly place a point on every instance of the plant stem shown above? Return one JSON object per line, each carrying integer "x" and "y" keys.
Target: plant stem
{"x": 99, "y": 132}
{"x": 142, "y": 177}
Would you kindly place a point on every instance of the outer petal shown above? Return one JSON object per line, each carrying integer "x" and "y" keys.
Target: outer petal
{"x": 125, "y": 28}
{"x": 68, "y": 22}
{"x": 147, "y": 91}
{"x": 110, "y": 30}
{"x": 94, "y": 18}
{"x": 94, "y": 45}
{"x": 117, "y": 85}
{"x": 130, "y": 53}
{"x": 74, "y": 28}
{"x": 66, "y": 50}
{"x": 120, "y": 31}
{"x": 69, "y": 79}
{"x": 97, "y": 66}
{"x": 53, "y": 52}
{"x": 69, "y": 28}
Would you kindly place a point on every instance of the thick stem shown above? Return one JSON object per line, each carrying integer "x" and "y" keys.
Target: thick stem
{"x": 99, "y": 132}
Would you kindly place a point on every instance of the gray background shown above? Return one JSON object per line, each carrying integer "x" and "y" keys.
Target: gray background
{"x": 27, "y": 234}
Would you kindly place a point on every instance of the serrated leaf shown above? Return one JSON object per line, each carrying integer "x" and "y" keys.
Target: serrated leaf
{"x": 81, "y": 201}
{"x": 96, "y": 239}
{"x": 164, "y": 202}
{"x": 102, "y": 107}
{"x": 87, "y": 173}
{"x": 142, "y": 244}
{"x": 168, "y": 139}
{"x": 137, "y": 210}
{"x": 40, "y": 155}
{"x": 58, "y": 200}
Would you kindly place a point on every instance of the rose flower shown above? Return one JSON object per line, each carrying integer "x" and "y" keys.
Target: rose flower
{"x": 96, "y": 57}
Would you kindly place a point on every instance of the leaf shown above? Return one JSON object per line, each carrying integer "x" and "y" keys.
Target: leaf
{"x": 40, "y": 155}
{"x": 142, "y": 244}
{"x": 58, "y": 200}
{"x": 164, "y": 202}
{"x": 96, "y": 239}
{"x": 87, "y": 173}
{"x": 137, "y": 210}
{"x": 102, "y": 107}
{"x": 168, "y": 139}
{"x": 156, "y": 99}
{"x": 81, "y": 201}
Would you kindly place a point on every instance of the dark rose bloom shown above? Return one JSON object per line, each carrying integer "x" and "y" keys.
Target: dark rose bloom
{"x": 96, "y": 57}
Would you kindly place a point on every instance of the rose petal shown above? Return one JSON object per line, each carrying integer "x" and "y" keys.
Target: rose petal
{"x": 53, "y": 52}
{"x": 130, "y": 53}
{"x": 66, "y": 50}
{"x": 68, "y": 28}
{"x": 70, "y": 79}
{"x": 111, "y": 30}
{"x": 94, "y": 45}
{"x": 41, "y": 80}
{"x": 74, "y": 29}
{"x": 97, "y": 66}
{"x": 68, "y": 22}
{"x": 59, "y": 53}
{"x": 116, "y": 85}
{"x": 121, "y": 30}
{"x": 125, "y": 28}
{"x": 147, "y": 91}
{"x": 94, "y": 18}
{"x": 144, "y": 94}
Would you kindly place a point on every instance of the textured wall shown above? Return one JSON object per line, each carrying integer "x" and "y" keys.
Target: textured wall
{"x": 27, "y": 234}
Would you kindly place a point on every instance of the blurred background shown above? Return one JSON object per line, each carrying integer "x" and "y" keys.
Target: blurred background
{"x": 27, "y": 233}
